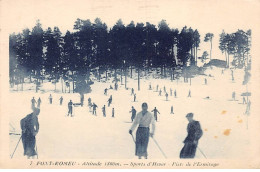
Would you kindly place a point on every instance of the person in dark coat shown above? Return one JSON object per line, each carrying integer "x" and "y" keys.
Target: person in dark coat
{"x": 109, "y": 101}
{"x": 61, "y": 100}
{"x": 39, "y": 101}
{"x": 30, "y": 128}
{"x": 104, "y": 110}
{"x": 166, "y": 95}
{"x": 134, "y": 97}
{"x": 143, "y": 120}
{"x": 172, "y": 110}
{"x": 113, "y": 112}
{"x": 175, "y": 93}
{"x": 105, "y": 91}
{"x": 155, "y": 111}
{"x": 50, "y": 99}
{"x": 150, "y": 86}
{"x": 132, "y": 91}
{"x": 191, "y": 141}
{"x": 70, "y": 108}
{"x": 33, "y": 103}
{"x": 81, "y": 99}
{"x": 94, "y": 112}
{"x": 133, "y": 111}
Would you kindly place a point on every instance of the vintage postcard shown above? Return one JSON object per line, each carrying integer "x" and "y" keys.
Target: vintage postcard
{"x": 138, "y": 84}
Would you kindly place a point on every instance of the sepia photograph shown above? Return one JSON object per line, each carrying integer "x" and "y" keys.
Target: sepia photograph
{"x": 129, "y": 84}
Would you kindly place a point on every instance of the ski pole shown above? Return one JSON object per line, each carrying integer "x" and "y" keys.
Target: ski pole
{"x": 159, "y": 148}
{"x": 202, "y": 153}
{"x": 133, "y": 138}
{"x": 16, "y": 147}
{"x": 36, "y": 150}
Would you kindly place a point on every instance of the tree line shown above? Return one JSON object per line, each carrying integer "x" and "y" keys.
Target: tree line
{"x": 49, "y": 54}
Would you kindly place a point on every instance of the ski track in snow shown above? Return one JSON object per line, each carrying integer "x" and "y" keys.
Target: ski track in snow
{"x": 94, "y": 137}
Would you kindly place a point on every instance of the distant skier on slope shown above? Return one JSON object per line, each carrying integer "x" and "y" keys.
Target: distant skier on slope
{"x": 133, "y": 111}
{"x": 191, "y": 141}
{"x": 171, "y": 92}
{"x": 172, "y": 110}
{"x": 155, "y": 111}
{"x": 33, "y": 103}
{"x": 175, "y": 93}
{"x": 105, "y": 91}
{"x": 61, "y": 100}
{"x": 94, "y": 112}
{"x": 234, "y": 95}
{"x": 109, "y": 101}
{"x": 39, "y": 103}
{"x": 132, "y": 91}
{"x": 104, "y": 110}
{"x": 150, "y": 86}
{"x": 70, "y": 108}
{"x": 134, "y": 97}
{"x": 143, "y": 120}
{"x": 166, "y": 95}
{"x": 50, "y": 99}
{"x": 113, "y": 112}
{"x": 189, "y": 95}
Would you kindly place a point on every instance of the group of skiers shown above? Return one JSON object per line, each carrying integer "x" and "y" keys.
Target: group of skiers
{"x": 145, "y": 119}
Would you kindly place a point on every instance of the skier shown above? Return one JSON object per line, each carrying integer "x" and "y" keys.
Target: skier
{"x": 111, "y": 87}
{"x": 133, "y": 111}
{"x": 160, "y": 92}
{"x": 30, "y": 128}
{"x": 132, "y": 91}
{"x": 104, "y": 110}
{"x": 70, "y": 108}
{"x": 175, "y": 93}
{"x": 113, "y": 112}
{"x": 171, "y": 91}
{"x": 143, "y": 120}
{"x": 234, "y": 96}
{"x": 116, "y": 86}
{"x": 89, "y": 104}
{"x": 150, "y": 86}
{"x": 166, "y": 95}
{"x": 33, "y": 103}
{"x": 155, "y": 111}
{"x": 50, "y": 99}
{"x": 81, "y": 99}
{"x": 191, "y": 141}
{"x": 39, "y": 103}
{"x": 94, "y": 112}
{"x": 189, "y": 95}
{"x": 244, "y": 100}
{"x": 206, "y": 81}
{"x": 134, "y": 97}
{"x": 109, "y": 101}
{"x": 172, "y": 110}
{"x": 157, "y": 88}
{"x": 105, "y": 92}
{"x": 89, "y": 101}
{"x": 61, "y": 100}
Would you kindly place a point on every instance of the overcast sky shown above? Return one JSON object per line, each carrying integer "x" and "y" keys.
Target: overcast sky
{"x": 204, "y": 15}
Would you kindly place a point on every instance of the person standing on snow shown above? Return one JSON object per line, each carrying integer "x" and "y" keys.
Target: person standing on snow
{"x": 134, "y": 97}
{"x": 132, "y": 91}
{"x": 113, "y": 112}
{"x": 50, "y": 99}
{"x": 172, "y": 110}
{"x": 171, "y": 91}
{"x": 133, "y": 111}
{"x": 61, "y": 100}
{"x": 166, "y": 95}
{"x": 70, "y": 108}
{"x": 104, "y": 110}
{"x": 189, "y": 95}
{"x": 155, "y": 111}
{"x": 143, "y": 120}
{"x": 30, "y": 128}
{"x": 191, "y": 141}
{"x": 33, "y": 103}
{"x": 39, "y": 103}
{"x": 175, "y": 93}
{"x": 94, "y": 112}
